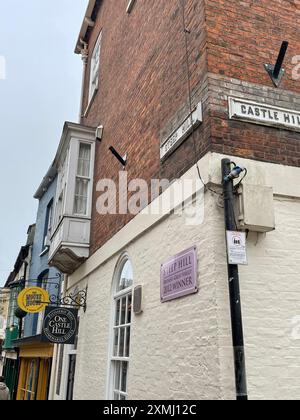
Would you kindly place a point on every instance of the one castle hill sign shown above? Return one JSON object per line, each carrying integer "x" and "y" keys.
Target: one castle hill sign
{"x": 259, "y": 113}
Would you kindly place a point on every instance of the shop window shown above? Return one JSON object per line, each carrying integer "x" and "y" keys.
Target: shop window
{"x": 120, "y": 354}
{"x": 28, "y": 380}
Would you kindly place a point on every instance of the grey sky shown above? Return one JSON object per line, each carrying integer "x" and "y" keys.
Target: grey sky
{"x": 40, "y": 92}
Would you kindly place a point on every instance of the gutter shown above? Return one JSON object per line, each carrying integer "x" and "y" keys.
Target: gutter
{"x": 86, "y": 24}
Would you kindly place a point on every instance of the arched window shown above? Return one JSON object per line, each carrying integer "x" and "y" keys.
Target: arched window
{"x": 120, "y": 349}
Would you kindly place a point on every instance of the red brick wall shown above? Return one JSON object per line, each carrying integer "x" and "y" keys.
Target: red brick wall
{"x": 143, "y": 85}
{"x": 243, "y": 35}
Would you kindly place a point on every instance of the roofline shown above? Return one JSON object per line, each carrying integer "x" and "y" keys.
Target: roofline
{"x": 86, "y": 24}
{"x": 46, "y": 182}
{"x": 68, "y": 128}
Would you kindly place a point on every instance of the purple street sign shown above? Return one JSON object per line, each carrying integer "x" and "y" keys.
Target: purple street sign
{"x": 178, "y": 275}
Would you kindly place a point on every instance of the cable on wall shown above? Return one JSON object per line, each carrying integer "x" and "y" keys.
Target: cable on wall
{"x": 187, "y": 32}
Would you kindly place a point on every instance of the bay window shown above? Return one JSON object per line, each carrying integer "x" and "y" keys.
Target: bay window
{"x": 73, "y": 206}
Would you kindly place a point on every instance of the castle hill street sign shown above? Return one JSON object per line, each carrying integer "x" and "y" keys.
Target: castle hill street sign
{"x": 264, "y": 114}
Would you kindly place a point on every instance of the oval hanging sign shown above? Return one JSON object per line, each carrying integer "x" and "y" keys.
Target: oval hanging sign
{"x": 33, "y": 300}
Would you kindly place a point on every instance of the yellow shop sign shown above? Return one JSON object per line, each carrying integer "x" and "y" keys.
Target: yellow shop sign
{"x": 33, "y": 300}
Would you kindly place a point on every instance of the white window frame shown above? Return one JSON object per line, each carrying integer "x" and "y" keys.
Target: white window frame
{"x": 86, "y": 178}
{"x": 95, "y": 68}
{"x": 62, "y": 184}
{"x": 113, "y": 359}
{"x": 65, "y": 194}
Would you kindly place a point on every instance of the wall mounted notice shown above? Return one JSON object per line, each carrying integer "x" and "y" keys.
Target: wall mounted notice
{"x": 236, "y": 248}
{"x": 260, "y": 113}
{"x": 179, "y": 275}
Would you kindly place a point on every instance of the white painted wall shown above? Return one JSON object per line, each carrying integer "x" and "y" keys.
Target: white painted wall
{"x": 182, "y": 349}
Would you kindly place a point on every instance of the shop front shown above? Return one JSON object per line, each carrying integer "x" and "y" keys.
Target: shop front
{"x": 35, "y": 369}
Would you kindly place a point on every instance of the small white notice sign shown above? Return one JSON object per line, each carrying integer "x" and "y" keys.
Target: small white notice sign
{"x": 236, "y": 248}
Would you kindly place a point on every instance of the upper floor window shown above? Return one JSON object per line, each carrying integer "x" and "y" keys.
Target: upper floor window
{"x": 83, "y": 179}
{"x": 48, "y": 225}
{"x": 61, "y": 187}
{"x": 95, "y": 68}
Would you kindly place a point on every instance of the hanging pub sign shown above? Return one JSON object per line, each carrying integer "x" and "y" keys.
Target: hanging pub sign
{"x": 33, "y": 300}
{"x": 179, "y": 275}
{"x": 60, "y": 325}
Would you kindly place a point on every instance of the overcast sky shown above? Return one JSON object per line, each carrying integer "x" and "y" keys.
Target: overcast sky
{"x": 40, "y": 92}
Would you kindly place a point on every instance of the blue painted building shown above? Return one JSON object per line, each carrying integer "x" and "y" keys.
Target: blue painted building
{"x": 39, "y": 271}
{"x": 35, "y": 357}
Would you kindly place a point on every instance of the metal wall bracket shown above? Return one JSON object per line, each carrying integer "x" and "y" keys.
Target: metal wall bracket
{"x": 276, "y": 72}
{"x": 276, "y": 80}
{"x": 76, "y": 300}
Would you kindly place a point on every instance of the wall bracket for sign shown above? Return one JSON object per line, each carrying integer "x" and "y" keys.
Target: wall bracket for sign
{"x": 53, "y": 281}
{"x": 276, "y": 72}
{"x": 75, "y": 300}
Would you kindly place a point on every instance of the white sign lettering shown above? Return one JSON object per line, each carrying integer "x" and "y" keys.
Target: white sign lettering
{"x": 257, "y": 113}
{"x": 176, "y": 138}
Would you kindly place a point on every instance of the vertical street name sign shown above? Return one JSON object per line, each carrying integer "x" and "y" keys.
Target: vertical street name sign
{"x": 182, "y": 133}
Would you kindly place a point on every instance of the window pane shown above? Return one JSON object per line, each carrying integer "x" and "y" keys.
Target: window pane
{"x": 84, "y": 160}
{"x": 117, "y": 376}
{"x": 116, "y": 342}
{"x": 122, "y": 342}
{"x": 81, "y": 195}
{"x": 124, "y": 377}
{"x": 95, "y": 67}
{"x": 123, "y": 311}
{"x": 127, "y": 344}
{"x": 117, "y": 312}
{"x": 129, "y": 309}
{"x": 126, "y": 278}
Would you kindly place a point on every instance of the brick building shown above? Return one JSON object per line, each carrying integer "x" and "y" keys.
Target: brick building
{"x": 147, "y": 67}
